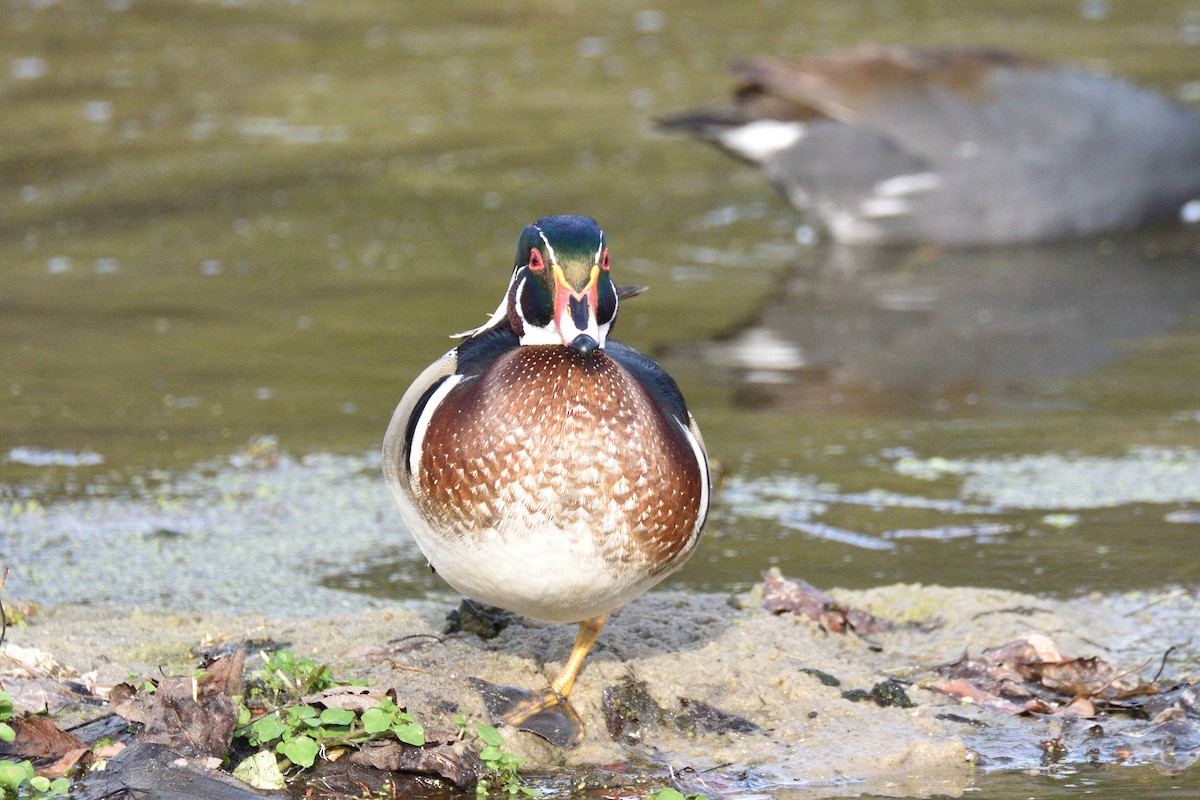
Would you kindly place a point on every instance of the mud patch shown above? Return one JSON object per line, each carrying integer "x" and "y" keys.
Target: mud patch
{"x": 765, "y": 679}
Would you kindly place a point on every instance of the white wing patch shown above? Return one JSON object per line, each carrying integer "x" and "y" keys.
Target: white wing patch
{"x": 761, "y": 139}
{"x": 901, "y": 185}
{"x": 877, "y": 207}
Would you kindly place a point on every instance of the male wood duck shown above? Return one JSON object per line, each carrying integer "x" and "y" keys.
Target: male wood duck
{"x": 957, "y": 146}
{"x": 543, "y": 467}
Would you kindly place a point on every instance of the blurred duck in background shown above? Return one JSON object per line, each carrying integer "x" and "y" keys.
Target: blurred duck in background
{"x": 960, "y": 147}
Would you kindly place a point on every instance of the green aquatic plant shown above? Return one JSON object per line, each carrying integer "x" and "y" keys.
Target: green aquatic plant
{"x": 17, "y": 778}
{"x": 502, "y": 766}
{"x": 668, "y": 793}
{"x": 284, "y": 674}
{"x": 298, "y": 732}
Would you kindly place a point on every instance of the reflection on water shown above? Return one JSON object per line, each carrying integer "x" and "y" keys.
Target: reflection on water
{"x": 918, "y": 330}
{"x": 251, "y": 219}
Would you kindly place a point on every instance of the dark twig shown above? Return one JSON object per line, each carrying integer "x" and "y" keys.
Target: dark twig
{"x": 1163, "y": 664}
{"x": 3, "y": 613}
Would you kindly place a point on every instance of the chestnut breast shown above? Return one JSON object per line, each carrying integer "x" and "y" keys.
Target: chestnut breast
{"x": 577, "y": 441}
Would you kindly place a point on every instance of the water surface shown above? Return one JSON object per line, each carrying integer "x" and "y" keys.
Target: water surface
{"x": 222, "y": 221}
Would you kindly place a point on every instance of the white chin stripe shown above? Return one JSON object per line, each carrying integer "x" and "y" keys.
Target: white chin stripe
{"x": 568, "y": 331}
{"x": 761, "y": 139}
{"x": 546, "y": 335}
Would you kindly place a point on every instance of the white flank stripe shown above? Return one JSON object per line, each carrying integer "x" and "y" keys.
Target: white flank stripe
{"x": 418, "y": 441}
{"x": 702, "y": 461}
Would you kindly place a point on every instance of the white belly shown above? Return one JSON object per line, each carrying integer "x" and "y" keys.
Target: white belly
{"x": 559, "y": 575}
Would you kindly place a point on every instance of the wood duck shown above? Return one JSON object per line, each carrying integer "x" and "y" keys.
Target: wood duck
{"x": 543, "y": 467}
{"x": 957, "y": 146}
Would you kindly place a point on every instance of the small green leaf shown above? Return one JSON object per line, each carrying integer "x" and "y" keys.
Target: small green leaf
{"x": 376, "y": 720}
{"x": 39, "y": 783}
{"x": 13, "y": 774}
{"x": 6, "y": 705}
{"x": 301, "y": 750}
{"x": 267, "y": 729}
{"x": 666, "y": 794}
{"x": 243, "y": 717}
{"x": 489, "y": 735}
{"x": 337, "y": 716}
{"x": 490, "y": 753}
{"x": 7, "y": 734}
{"x": 410, "y": 733}
{"x": 59, "y": 786}
{"x": 282, "y": 660}
{"x": 301, "y": 712}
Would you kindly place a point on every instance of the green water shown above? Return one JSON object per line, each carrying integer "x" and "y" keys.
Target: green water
{"x": 222, "y": 220}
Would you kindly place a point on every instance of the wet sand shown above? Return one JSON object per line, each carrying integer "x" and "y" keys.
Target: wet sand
{"x": 723, "y": 651}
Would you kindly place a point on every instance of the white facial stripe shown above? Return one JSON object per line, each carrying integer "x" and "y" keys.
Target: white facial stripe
{"x": 418, "y": 441}
{"x": 761, "y": 139}
{"x": 549, "y": 248}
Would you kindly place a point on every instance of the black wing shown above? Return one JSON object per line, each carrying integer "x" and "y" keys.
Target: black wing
{"x": 479, "y": 352}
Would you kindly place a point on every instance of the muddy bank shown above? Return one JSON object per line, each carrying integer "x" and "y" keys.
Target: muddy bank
{"x": 725, "y": 652}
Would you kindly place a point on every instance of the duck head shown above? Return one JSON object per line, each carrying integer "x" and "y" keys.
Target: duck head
{"x": 561, "y": 292}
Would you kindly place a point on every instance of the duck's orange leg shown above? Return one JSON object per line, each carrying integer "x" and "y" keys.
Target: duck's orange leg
{"x": 560, "y": 687}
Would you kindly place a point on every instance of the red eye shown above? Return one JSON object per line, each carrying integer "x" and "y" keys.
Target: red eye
{"x": 604, "y": 260}
{"x": 535, "y": 261}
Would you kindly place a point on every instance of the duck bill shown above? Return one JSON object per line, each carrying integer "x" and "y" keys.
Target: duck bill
{"x": 575, "y": 313}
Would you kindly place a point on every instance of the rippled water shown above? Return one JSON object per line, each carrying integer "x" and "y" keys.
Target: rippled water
{"x": 224, "y": 220}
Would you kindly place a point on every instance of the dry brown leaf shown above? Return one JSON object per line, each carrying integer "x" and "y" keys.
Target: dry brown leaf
{"x": 197, "y": 717}
{"x": 38, "y": 737}
{"x": 65, "y": 764}
{"x": 449, "y": 761}
{"x": 1032, "y": 667}
{"x": 350, "y": 698}
{"x": 792, "y": 595}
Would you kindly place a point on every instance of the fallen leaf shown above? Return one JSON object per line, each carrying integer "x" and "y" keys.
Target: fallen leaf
{"x": 65, "y": 764}
{"x": 261, "y": 771}
{"x": 452, "y": 762}
{"x": 792, "y": 595}
{"x": 109, "y": 750}
{"x": 1030, "y": 675}
{"x": 49, "y": 695}
{"x": 349, "y": 698}
{"x": 197, "y": 717}
{"x": 39, "y": 737}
